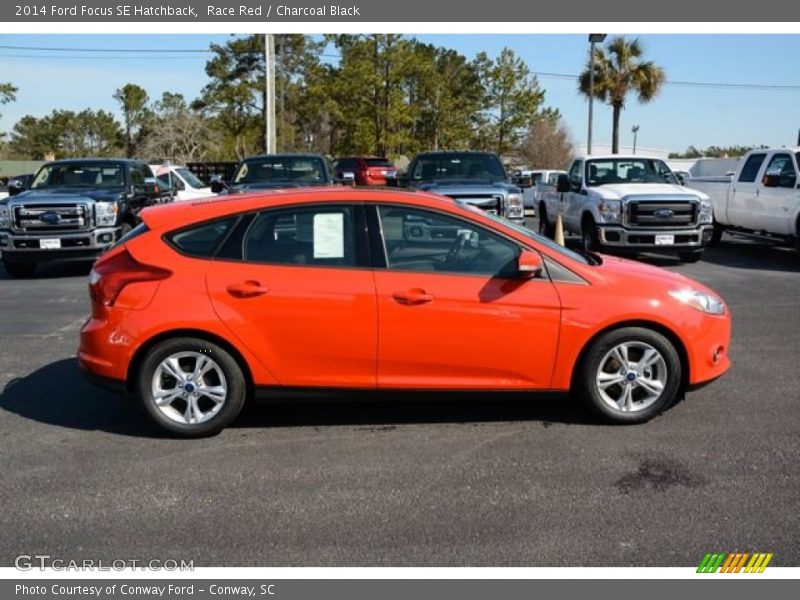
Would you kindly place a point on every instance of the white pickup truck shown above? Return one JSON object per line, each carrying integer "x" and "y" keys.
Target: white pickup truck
{"x": 762, "y": 198}
{"x": 628, "y": 204}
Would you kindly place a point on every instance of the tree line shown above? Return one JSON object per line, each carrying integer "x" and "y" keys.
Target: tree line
{"x": 383, "y": 94}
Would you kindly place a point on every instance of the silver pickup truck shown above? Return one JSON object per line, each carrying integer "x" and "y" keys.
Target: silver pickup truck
{"x": 628, "y": 204}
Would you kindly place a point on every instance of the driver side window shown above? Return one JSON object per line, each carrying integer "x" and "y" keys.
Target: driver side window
{"x": 420, "y": 240}
{"x": 576, "y": 176}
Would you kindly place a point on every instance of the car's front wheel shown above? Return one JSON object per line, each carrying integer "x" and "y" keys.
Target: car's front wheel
{"x": 191, "y": 387}
{"x": 629, "y": 375}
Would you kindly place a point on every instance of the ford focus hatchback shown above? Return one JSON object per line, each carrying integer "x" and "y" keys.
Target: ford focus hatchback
{"x": 205, "y": 304}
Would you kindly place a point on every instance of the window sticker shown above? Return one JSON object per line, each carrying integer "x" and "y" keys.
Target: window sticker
{"x": 329, "y": 235}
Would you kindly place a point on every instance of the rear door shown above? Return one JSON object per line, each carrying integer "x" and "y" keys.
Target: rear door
{"x": 572, "y": 201}
{"x": 742, "y": 195}
{"x": 452, "y": 313}
{"x": 294, "y": 285}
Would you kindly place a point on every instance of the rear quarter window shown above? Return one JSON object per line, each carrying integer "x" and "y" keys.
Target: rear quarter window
{"x": 201, "y": 240}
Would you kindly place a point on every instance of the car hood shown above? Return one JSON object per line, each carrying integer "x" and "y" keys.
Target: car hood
{"x": 626, "y": 273}
{"x": 66, "y": 195}
{"x": 621, "y": 190}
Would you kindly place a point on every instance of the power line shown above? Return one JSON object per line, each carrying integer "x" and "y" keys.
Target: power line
{"x": 147, "y": 50}
{"x": 59, "y": 57}
{"x": 701, "y": 84}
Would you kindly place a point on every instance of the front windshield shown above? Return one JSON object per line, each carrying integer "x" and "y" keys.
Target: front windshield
{"x": 300, "y": 169}
{"x": 532, "y": 235}
{"x": 606, "y": 171}
{"x": 443, "y": 167}
{"x": 190, "y": 178}
{"x": 100, "y": 175}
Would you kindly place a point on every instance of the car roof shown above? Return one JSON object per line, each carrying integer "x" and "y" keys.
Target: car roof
{"x": 180, "y": 214}
{"x": 132, "y": 161}
{"x": 447, "y": 152}
{"x": 617, "y": 157}
{"x": 285, "y": 155}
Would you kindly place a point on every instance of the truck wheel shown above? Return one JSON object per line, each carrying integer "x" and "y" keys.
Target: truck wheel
{"x": 591, "y": 241}
{"x": 545, "y": 228}
{"x": 716, "y": 235}
{"x": 191, "y": 387}
{"x": 690, "y": 257}
{"x": 19, "y": 270}
{"x": 629, "y": 375}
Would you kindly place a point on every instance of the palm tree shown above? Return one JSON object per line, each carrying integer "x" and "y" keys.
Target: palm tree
{"x": 618, "y": 70}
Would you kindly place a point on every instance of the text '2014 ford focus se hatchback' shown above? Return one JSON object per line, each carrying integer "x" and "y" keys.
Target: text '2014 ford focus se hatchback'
{"x": 205, "y": 304}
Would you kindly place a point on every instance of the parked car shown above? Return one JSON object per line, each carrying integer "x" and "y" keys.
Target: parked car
{"x": 366, "y": 170}
{"x": 75, "y": 208}
{"x": 760, "y": 199}
{"x": 548, "y": 180}
{"x": 476, "y": 178}
{"x": 186, "y": 184}
{"x": 272, "y": 171}
{"x": 628, "y": 204}
{"x": 380, "y": 289}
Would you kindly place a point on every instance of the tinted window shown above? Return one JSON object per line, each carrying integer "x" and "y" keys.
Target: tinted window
{"x": 203, "y": 239}
{"x": 299, "y": 169}
{"x": 419, "y": 240}
{"x": 751, "y": 168}
{"x": 436, "y": 167}
{"x": 627, "y": 170}
{"x": 308, "y": 235}
{"x": 80, "y": 175}
{"x": 576, "y": 175}
{"x": 379, "y": 162}
{"x": 782, "y": 167}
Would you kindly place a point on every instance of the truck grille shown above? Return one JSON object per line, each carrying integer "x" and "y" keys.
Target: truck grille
{"x": 492, "y": 203}
{"x": 55, "y": 217}
{"x": 662, "y": 213}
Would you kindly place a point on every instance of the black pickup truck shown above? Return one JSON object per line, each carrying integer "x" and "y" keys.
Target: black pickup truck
{"x": 74, "y": 209}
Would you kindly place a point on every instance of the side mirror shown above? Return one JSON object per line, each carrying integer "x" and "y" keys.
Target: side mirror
{"x": 347, "y": 178}
{"x": 562, "y": 185}
{"x": 681, "y": 179}
{"x": 529, "y": 264}
{"x": 401, "y": 180}
{"x": 217, "y": 185}
{"x": 771, "y": 180}
{"x": 148, "y": 188}
{"x": 15, "y": 186}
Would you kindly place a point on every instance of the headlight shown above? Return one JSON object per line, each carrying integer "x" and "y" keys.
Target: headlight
{"x": 5, "y": 217}
{"x": 514, "y": 205}
{"x": 707, "y": 303}
{"x": 105, "y": 213}
{"x": 610, "y": 211}
{"x": 706, "y": 212}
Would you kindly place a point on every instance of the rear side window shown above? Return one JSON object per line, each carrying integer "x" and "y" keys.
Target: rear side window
{"x": 751, "y": 168}
{"x": 201, "y": 240}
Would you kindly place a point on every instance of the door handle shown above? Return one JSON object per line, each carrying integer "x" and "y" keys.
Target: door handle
{"x": 247, "y": 289}
{"x": 415, "y": 296}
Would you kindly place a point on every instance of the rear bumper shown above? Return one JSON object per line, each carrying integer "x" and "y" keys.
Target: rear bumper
{"x": 112, "y": 385}
{"x": 615, "y": 236}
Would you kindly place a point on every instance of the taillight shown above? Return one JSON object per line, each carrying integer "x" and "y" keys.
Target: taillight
{"x": 110, "y": 276}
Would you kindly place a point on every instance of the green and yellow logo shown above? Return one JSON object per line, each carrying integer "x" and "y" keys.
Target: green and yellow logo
{"x": 726, "y": 562}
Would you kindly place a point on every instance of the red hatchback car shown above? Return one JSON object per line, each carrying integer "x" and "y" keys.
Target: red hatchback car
{"x": 204, "y": 304}
{"x": 366, "y": 170}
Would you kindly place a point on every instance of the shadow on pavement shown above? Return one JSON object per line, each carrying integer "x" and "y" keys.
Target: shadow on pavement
{"x": 55, "y": 270}
{"x": 58, "y": 395}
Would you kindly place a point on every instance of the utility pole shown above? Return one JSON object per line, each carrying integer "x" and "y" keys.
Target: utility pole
{"x": 634, "y": 131}
{"x": 269, "y": 117}
{"x": 594, "y": 38}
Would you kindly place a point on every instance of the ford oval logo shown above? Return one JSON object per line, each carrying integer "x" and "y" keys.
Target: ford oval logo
{"x": 50, "y": 217}
{"x": 663, "y": 213}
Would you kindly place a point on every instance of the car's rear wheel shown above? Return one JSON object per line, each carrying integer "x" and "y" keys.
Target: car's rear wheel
{"x": 19, "y": 269}
{"x": 545, "y": 228}
{"x": 629, "y": 375}
{"x": 191, "y": 387}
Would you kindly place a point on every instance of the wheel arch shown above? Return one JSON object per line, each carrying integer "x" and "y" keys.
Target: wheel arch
{"x": 668, "y": 333}
{"x": 142, "y": 351}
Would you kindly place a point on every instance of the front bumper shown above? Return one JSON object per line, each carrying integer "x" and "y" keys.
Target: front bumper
{"x": 616, "y": 236}
{"x": 84, "y": 244}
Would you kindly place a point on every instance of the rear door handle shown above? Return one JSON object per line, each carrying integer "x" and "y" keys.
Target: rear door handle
{"x": 247, "y": 289}
{"x": 414, "y": 296}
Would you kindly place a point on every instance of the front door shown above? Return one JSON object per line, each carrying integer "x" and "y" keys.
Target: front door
{"x": 452, "y": 313}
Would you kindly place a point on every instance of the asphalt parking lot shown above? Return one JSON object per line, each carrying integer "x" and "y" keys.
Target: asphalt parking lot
{"x": 407, "y": 481}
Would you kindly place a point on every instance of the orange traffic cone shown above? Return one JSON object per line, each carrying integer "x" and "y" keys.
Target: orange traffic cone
{"x": 559, "y": 237}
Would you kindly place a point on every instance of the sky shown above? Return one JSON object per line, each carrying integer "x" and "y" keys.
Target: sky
{"x": 680, "y": 116}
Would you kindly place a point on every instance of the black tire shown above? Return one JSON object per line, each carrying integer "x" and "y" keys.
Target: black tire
{"x": 591, "y": 241}
{"x": 716, "y": 235}
{"x": 690, "y": 257}
{"x": 585, "y": 383}
{"x": 19, "y": 270}
{"x": 233, "y": 378}
{"x": 545, "y": 228}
